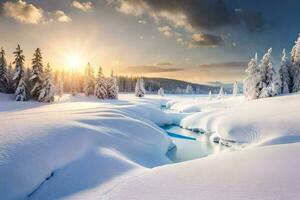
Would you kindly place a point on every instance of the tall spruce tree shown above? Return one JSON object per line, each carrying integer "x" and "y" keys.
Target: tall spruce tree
{"x": 20, "y": 85}
{"x": 267, "y": 75}
{"x": 251, "y": 82}
{"x": 284, "y": 74}
{"x": 4, "y": 77}
{"x": 37, "y": 77}
{"x": 100, "y": 87}
{"x": 48, "y": 90}
{"x": 140, "y": 88}
{"x": 295, "y": 66}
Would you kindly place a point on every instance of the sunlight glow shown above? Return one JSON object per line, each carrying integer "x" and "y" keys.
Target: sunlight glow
{"x": 74, "y": 61}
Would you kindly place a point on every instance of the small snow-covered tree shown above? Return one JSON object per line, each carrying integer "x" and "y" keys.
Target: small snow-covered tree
{"x": 235, "y": 89}
{"x": 100, "y": 87}
{"x": 161, "y": 92}
{"x": 284, "y": 74}
{"x": 140, "y": 88}
{"x": 4, "y": 77}
{"x": 221, "y": 93}
{"x": 37, "y": 77}
{"x": 89, "y": 80}
{"x": 48, "y": 90}
{"x": 73, "y": 84}
{"x": 210, "y": 95}
{"x": 251, "y": 82}
{"x": 112, "y": 88}
{"x": 20, "y": 85}
{"x": 189, "y": 89}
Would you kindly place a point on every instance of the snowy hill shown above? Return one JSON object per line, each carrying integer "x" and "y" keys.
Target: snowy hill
{"x": 83, "y": 148}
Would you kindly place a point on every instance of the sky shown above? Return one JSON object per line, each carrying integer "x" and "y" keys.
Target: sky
{"x": 193, "y": 40}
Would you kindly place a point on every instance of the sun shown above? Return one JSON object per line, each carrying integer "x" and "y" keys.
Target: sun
{"x": 74, "y": 61}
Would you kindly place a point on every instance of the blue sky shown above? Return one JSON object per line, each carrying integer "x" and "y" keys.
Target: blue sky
{"x": 193, "y": 40}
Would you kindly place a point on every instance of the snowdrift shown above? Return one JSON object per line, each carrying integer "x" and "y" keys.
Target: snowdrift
{"x": 50, "y": 151}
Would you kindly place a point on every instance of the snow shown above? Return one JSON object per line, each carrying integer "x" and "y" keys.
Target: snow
{"x": 86, "y": 148}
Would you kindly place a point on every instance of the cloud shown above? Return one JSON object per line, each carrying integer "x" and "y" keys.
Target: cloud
{"x": 166, "y": 30}
{"x": 62, "y": 17}
{"x": 146, "y": 69}
{"x": 205, "y": 40}
{"x": 192, "y": 15}
{"x": 84, "y": 6}
{"x": 23, "y": 12}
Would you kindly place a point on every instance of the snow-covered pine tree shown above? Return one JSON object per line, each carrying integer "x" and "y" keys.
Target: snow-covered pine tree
{"x": 251, "y": 82}
{"x": 20, "y": 85}
{"x": 4, "y": 79}
{"x": 73, "y": 84}
{"x": 221, "y": 93}
{"x": 161, "y": 92}
{"x": 10, "y": 73}
{"x": 295, "y": 67}
{"x": 100, "y": 87}
{"x": 189, "y": 89}
{"x": 284, "y": 74}
{"x": 60, "y": 85}
{"x": 48, "y": 90}
{"x": 112, "y": 88}
{"x": 140, "y": 88}
{"x": 37, "y": 74}
{"x": 235, "y": 89}
{"x": 89, "y": 80}
{"x": 209, "y": 95}
{"x": 267, "y": 75}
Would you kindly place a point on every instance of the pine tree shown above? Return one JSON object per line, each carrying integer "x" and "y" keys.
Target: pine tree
{"x": 89, "y": 82}
{"x": 295, "y": 67}
{"x": 284, "y": 74}
{"x": 10, "y": 73}
{"x": 112, "y": 88}
{"x": 235, "y": 89}
{"x": 161, "y": 92}
{"x": 37, "y": 77}
{"x": 140, "y": 88}
{"x": 18, "y": 78}
{"x": 74, "y": 86}
{"x": 221, "y": 93}
{"x": 100, "y": 87}
{"x": 4, "y": 79}
{"x": 252, "y": 80}
{"x": 210, "y": 95}
{"x": 48, "y": 90}
{"x": 189, "y": 89}
{"x": 267, "y": 75}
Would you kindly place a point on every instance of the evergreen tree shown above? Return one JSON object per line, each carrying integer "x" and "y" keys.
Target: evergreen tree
{"x": 235, "y": 89}
{"x": 48, "y": 90}
{"x": 189, "y": 89}
{"x": 221, "y": 93}
{"x": 161, "y": 92}
{"x": 295, "y": 67}
{"x": 284, "y": 75}
{"x": 10, "y": 73}
{"x": 74, "y": 86}
{"x": 4, "y": 79}
{"x": 37, "y": 77}
{"x": 89, "y": 82}
{"x": 100, "y": 87}
{"x": 140, "y": 88}
{"x": 209, "y": 95}
{"x": 267, "y": 75}
{"x": 18, "y": 78}
{"x": 112, "y": 88}
{"x": 252, "y": 80}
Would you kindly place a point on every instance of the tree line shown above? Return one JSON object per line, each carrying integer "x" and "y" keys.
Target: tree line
{"x": 264, "y": 81}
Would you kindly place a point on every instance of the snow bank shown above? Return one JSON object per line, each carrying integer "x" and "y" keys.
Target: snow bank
{"x": 49, "y": 151}
{"x": 235, "y": 119}
{"x": 262, "y": 173}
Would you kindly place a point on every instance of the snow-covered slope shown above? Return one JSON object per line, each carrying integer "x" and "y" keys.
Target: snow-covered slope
{"x": 48, "y": 151}
{"x": 264, "y": 121}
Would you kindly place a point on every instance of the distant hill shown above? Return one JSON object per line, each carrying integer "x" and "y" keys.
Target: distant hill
{"x": 177, "y": 86}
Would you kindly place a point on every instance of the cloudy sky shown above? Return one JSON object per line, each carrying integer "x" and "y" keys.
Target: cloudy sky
{"x": 193, "y": 40}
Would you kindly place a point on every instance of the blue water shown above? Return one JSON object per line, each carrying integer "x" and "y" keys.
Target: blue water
{"x": 190, "y": 145}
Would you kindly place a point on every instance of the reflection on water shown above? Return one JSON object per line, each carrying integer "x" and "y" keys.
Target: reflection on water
{"x": 190, "y": 149}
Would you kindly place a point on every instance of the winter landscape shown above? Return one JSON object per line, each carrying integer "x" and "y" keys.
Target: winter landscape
{"x": 126, "y": 99}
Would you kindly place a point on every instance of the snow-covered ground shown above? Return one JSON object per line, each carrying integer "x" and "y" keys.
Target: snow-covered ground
{"x": 81, "y": 148}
